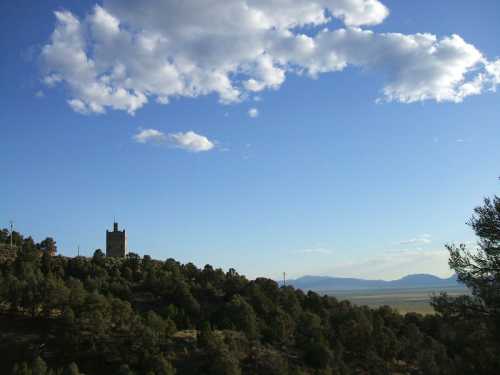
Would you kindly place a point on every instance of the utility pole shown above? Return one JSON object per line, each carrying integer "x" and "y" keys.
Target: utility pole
{"x": 11, "y": 232}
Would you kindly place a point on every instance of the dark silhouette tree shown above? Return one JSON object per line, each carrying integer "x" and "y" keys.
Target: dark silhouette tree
{"x": 48, "y": 246}
{"x": 479, "y": 270}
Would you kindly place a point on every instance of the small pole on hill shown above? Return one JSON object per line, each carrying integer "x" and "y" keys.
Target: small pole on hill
{"x": 11, "y": 232}
{"x": 78, "y": 250}
{"x": 284, "y": 278}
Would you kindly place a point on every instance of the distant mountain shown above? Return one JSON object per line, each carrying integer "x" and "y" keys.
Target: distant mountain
{"x": 343, "y": 283}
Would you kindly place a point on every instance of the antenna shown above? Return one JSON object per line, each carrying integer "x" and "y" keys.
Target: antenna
{"x": 78, "y": 250}
{"x": 284, "y": 278}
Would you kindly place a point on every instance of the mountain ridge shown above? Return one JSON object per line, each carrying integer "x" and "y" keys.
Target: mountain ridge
{"x": 309, "y": 282}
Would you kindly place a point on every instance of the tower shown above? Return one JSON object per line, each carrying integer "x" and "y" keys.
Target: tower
{"x": 116, "y": 242}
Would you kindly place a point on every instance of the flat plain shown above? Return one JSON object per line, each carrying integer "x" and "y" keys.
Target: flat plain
{"x": 404, "y": 300}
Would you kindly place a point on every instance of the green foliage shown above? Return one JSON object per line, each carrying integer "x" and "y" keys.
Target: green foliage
{"x": 224, "y": 363}
{"x": 206, "y": 338}
{"x": 162, "y": 367}
{"x": 317, "y": 354}
{"x": 270, "y": 362}
{"x": 48, "y": 246}
{"x": 241, "y": 316}
{"x": 480, "y": 269}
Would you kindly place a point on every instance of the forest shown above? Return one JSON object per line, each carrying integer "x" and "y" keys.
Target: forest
{"x": 137, "y": 315}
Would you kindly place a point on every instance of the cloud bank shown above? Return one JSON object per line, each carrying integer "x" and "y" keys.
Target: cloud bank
{"x": 125, "y": 53}
{"x": 189, "y": 141}
{"x": 395, "y": 264}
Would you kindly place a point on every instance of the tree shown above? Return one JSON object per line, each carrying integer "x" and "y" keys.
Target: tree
{"x": 48, "y": 246}
{"x": 308, "y": 328}
{"x": 317, "y": 354}
{"x": 476, "y": 318}
{"x": 269, "y": 362}
{"x": 478, "y": 270}
{"x": 71, "y": 369}
{"x": 224, "y": 363}
{"x": 17, "y": 238}
{"x": 162, "y": 328}
{"x": 162, "y": 366}
{"x": 280, "y": 327}
{"x": 98, "y": 257}
{"x": 206, "y": 338}
{"x": 242, "y": 316}
{"x": 4, "y": 236}
{"x": 55, "y": 294}
{"x": 125, "y": 370}
{"x": 39, "y": 366}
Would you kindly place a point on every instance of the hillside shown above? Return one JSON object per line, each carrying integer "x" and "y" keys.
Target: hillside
{"x": 136, "y": 315}
{"x": 326, "y": 283}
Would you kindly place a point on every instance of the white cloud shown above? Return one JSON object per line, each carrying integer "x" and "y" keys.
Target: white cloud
{"x": 253, "y": 112}
{"x": 52, "y": 79}
{"x": 127, "y": 51}
{"x": 189, "y": 141}
{"x": 39, "y": 94}
{"x": 493, "y": 70}
{"x": 78, "y": 106}
{"x": 314, "y": 251}
{"x": 422, "y": 239}
{"x": 67, "y": 60}
{"x": 150, "y": 136}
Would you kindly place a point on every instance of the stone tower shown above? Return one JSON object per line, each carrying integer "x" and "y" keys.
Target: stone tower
{"x": 116, "y": 242}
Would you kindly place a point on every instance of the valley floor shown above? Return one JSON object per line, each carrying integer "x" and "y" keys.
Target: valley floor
{"x": 404, "y": 300}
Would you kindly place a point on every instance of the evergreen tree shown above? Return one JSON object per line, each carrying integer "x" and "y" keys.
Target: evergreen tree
{"x": 479, "y": 270}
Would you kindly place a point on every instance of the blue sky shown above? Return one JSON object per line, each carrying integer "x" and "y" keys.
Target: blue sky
{"x": 361, "y": 170}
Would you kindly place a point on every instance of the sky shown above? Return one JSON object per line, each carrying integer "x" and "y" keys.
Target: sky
{"x": 319, "y": 137}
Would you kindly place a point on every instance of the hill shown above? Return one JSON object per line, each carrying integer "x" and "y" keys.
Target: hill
{"x": 137, "y": 315}
{"x": 326, "y": 283}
